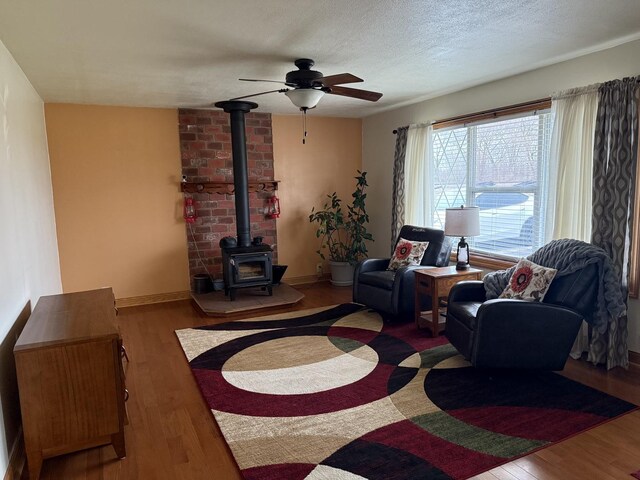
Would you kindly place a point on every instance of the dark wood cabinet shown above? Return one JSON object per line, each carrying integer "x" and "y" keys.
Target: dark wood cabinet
{"x": 70, "y": 376}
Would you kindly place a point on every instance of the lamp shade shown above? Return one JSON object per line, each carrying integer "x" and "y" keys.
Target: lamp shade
{"x": 305, "y": 97}
{"x": 462, "y": 222}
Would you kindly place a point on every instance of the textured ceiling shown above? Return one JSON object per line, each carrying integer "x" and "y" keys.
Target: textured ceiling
{"x": 190, "y": 53}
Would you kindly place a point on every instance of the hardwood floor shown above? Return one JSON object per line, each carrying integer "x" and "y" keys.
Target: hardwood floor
{"x": 172, "y": 434}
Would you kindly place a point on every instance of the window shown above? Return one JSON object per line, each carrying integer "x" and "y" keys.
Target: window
{"x": 500, "y": 166}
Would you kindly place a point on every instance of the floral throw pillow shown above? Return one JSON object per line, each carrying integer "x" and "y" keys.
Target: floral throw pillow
{"x": 529, "y": 282}
{"x": 406, "y": 253}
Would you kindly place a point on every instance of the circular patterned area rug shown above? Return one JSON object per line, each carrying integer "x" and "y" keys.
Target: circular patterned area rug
{"x": 336, "y": 393}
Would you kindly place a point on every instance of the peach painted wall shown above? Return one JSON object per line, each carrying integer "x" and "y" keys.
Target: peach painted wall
{"x": 307, "y": 173}
{"x": 115, "y": 174}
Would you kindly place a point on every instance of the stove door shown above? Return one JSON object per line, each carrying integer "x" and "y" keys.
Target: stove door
{"x": 251, "y": 268}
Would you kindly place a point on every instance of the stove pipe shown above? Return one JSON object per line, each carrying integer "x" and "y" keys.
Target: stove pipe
{"x": 236, "y": 110}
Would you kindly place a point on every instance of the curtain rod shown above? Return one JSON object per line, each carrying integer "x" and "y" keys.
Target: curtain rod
{"x": 542, "y": 103}
{"x": 424, "y": 124}
{"x": 575, "y": 92}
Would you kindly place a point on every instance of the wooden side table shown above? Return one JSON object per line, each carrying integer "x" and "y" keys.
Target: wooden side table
{"x": 436, "y": 283}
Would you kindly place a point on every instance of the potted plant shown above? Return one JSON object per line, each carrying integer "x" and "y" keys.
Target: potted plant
{"x": 343, "y": 234}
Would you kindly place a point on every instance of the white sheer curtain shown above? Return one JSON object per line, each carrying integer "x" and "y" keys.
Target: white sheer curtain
{"x": 571, "y": 164}
{"x": 571, "y": 174}
{"x": 418, "y": 176}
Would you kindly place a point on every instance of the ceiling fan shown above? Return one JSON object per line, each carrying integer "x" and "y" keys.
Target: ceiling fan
{"x": 309, "y": 86}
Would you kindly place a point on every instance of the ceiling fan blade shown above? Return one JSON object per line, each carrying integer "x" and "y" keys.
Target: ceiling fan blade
{"x": 257, "y": 80}
{"x": 339, "y": 79}
{"x": 355, "y": 93}
{"x": 282, "y": 90}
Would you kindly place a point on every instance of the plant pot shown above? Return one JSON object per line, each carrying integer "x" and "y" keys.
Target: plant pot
{"x": 341, "y": 273}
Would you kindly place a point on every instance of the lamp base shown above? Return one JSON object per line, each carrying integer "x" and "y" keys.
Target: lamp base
{"x": 462, "y": 255}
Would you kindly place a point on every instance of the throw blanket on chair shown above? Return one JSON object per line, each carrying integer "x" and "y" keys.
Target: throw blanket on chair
{"x": 568, "y": 255}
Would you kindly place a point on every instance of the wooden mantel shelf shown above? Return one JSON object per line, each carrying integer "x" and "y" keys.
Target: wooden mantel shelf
{"x": 228, "y": 187}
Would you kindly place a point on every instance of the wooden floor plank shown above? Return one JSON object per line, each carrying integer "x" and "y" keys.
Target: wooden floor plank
{"x": 501, "y": 473}
{"x": 172, "y": 434}
{"x": 517, "y": 471}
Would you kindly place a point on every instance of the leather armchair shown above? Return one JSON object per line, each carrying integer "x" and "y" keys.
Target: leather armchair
{"x": 393, "y": 292}
{"x": 506, "y": 333}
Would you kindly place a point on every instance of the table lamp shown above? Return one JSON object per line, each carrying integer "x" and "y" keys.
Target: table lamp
{"x": 462, "y": 222}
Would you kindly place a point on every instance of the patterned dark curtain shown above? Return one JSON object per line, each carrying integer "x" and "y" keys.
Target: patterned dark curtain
{"x": 397, "y": 214}
{"x": 614, "y": 170}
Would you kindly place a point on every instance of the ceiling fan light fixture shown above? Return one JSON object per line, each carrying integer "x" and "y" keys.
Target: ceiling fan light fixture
{"x": 305, "y": 97}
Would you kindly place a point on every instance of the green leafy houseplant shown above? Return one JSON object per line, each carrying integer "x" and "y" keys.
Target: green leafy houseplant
{"x": 343, "y": 233}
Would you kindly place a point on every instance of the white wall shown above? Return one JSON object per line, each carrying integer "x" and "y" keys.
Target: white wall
{"x": 379, "y": 141}
{"x": 29, "y": 264}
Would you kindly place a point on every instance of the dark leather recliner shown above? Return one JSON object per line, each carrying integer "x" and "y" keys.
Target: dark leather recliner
{"x": 506, "y": 333}
{"x": 393, "y": 292}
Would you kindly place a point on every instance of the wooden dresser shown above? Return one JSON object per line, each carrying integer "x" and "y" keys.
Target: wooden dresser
{"x": 70, "y": 376}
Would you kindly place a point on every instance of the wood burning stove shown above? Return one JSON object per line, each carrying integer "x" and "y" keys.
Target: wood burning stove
{"x": 247, "y": 267}
{"x": 247, "y": 264}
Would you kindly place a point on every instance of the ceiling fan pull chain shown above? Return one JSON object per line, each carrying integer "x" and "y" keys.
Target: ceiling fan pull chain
{"x": 304, "y": 125}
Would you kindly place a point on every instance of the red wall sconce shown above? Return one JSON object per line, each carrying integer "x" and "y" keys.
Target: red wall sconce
{"x": 189, "y": 210}
{"x": 273, "y": 207}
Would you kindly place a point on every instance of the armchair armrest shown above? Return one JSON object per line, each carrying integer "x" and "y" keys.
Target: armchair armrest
{"x": 467, "y": 291}
{"x": 501, "y": 312}
{"x": 372, "y": 265}
{"x": 366, "y": 265}
{"x": 523, "y": 334}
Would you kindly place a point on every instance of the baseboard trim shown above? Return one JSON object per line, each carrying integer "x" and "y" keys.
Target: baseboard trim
{"x": 17, "y": 459}
{"x": 155, "y": 298}
{"x": 634, "y": 357}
